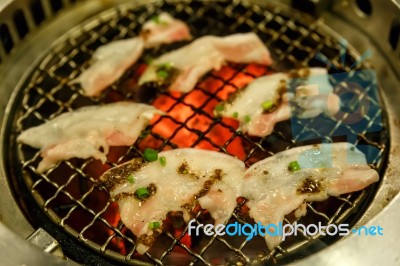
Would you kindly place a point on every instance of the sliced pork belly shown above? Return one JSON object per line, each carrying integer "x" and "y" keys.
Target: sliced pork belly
{"x": 81, "y": 133}
{"x": 188, "y": 176}
{"x": 182, "y": 68}
{"x": 110, "y": 61}
{"x": 164, "y": 29}
{"x": 266, "y": 101}
{"x": 280, "y": 184}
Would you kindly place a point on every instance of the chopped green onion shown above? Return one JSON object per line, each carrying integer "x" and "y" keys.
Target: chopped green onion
{"x": 219, "y": 107}
{"x": 131, "y": 179}
{"x": 166, "y": 65}
{"x": 162, "y": 160}
{"x": 156, "y": 19}
{"x": 235, "y": 115}
{"x": 148, "y": 59}
{"x": 150, "y": 155}
{"x": 268, "y": 105}
{"x": 162, "y": 73}
{"x": 142, "y": 193}
{"x": 164, "y": 70}
{"x": 154, "y": 225}
{"x": 247, "y": 119}
{"x": 294, "y": 166}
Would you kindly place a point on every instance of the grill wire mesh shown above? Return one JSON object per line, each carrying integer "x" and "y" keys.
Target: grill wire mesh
{"x": 68, "y": 193}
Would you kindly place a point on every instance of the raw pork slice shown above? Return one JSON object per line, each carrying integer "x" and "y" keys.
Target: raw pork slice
{"x": 280, "y": 184}
{"x": 186, "y": 177}
{"x": 110, "y": 61}
{"x": 81, "y": 133}
{"x": 266, "y": 101}
{"x": 181, "y": 69}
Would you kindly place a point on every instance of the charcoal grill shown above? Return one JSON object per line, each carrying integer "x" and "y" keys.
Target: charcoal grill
{"x": 46, "y": 44}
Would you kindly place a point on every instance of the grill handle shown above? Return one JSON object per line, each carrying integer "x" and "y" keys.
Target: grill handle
{"x": 46, "y": 242}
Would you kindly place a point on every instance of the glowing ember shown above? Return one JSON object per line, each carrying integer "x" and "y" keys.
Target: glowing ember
{"x": 190, "y": 121}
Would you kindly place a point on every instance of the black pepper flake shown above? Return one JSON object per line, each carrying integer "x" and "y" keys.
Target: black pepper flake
{"x": 206, "y": 187}
{"x": 217, "y": 176}
{"x": 123, "y": 195}
{"x": 310, "y": 186}
{"x": 152, "y": 188}
{"x": 234, "y": 95}
{"x": 183, "y": 169}
{"x": 119, "y": 175}
{"x": 149, "y": 239}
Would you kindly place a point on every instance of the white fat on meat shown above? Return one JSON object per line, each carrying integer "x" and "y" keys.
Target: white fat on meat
{"x": 189, "y": 176}
{"x": 192, "y": 61}
{"x": 274, "y": 191}
{"x": 110, "y": 61}
{"x": 82, "y": 132}
{"x": 164, "y": 29}
{"x": 266, "y": 101}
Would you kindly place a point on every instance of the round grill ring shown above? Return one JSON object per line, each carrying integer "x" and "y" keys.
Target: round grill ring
{"x": 68, "y": 191}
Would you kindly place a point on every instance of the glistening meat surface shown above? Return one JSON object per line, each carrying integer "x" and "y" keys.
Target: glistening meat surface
{"x": 280, "y": 184}
{"x": 189, "y": 176}
{"x": 268, "y": 100}
{"x": 185, "y": 66}
{"x": 110, "y": 61}
{"x": 81, "y": 133}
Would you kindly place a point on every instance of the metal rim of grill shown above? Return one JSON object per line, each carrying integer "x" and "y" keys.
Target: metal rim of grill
{"x": 46, "y": 94}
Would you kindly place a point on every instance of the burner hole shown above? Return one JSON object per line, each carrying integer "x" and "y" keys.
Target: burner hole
{"x": 20, "y": 23}
{"x": 365, "y": 6}
{"x": 394, "y": 34}
{"x": 37, "y": 11}
{"x": 5, "y": 38}
{"x": 56, "y": 5}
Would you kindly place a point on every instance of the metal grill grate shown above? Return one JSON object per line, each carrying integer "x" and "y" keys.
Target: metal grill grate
{"x": 68, "y": 195}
